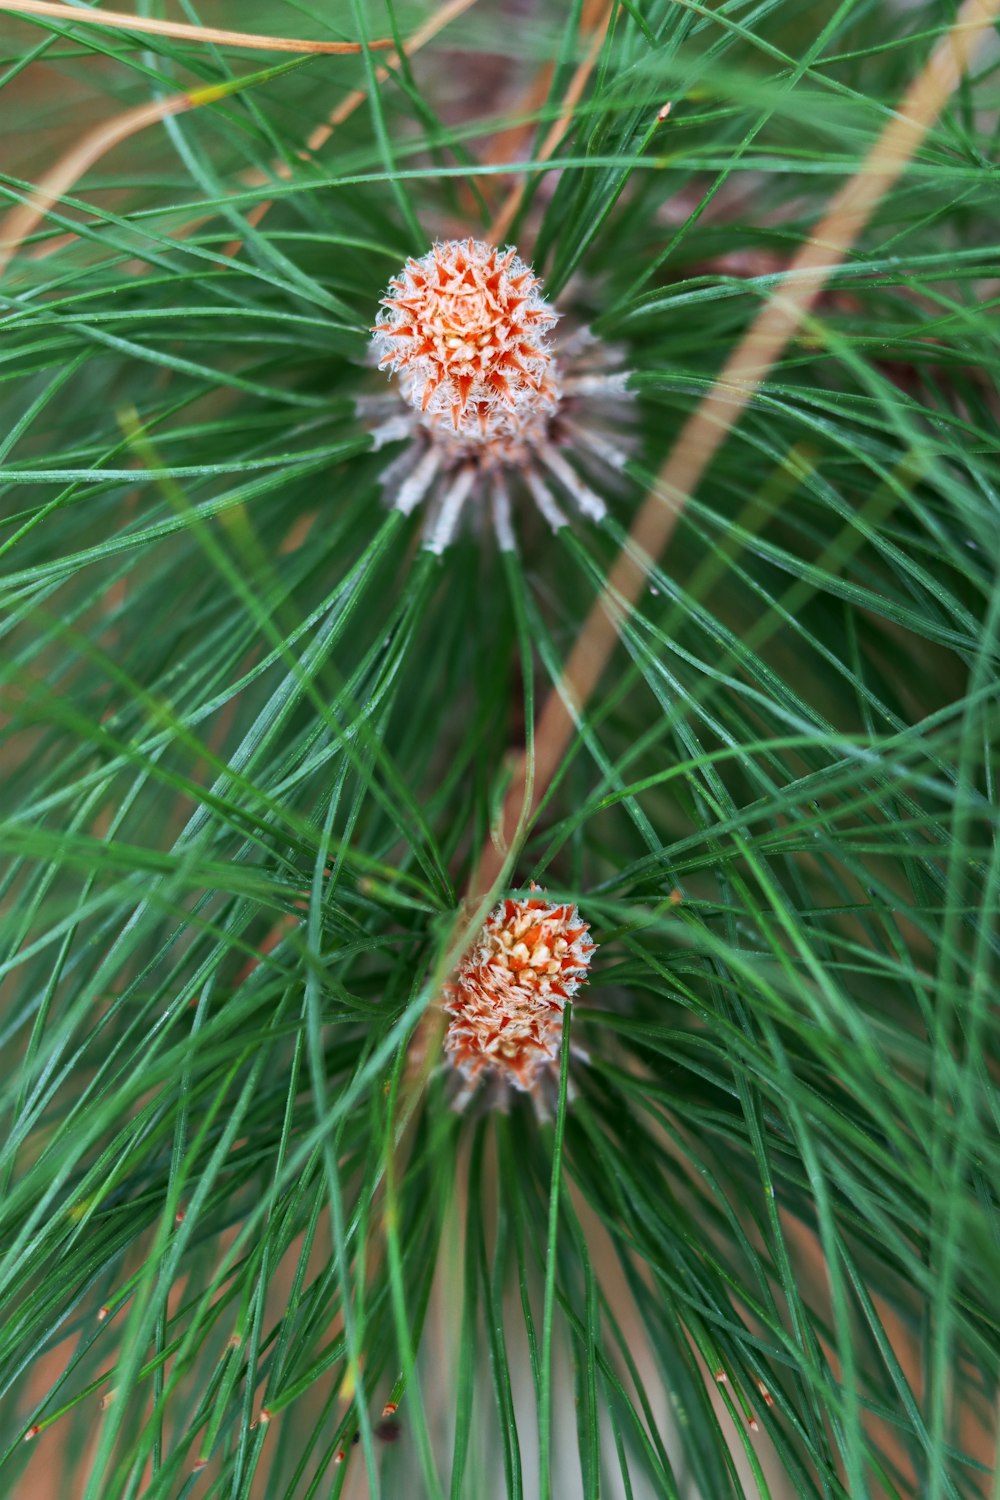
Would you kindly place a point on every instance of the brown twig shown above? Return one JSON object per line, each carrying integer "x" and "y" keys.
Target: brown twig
{"x": 707, "y": 428}
{"x": 511, "y": 142}
{"x": 282, "y": 169}
{"x": 22, "y": 220}
{"x": 502, "y": 843}
{"x": 119, "y": 21}
{"x": 509, "y": 208}
{"x": 700, "y": 439}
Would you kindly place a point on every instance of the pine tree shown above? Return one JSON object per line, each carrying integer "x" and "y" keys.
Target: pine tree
{"x": 501, "y": 606}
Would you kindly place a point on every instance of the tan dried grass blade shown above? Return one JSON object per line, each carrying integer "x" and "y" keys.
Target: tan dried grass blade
{"x": 119, "y": 21}
{"x": 25, "y": 218}
{"x": 57, "y": 182}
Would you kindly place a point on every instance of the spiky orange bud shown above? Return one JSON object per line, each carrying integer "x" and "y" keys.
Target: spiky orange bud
{"x": 508, "y": 996}
{"x": 464, "y": 328}
{"x": 480, "y": 397}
